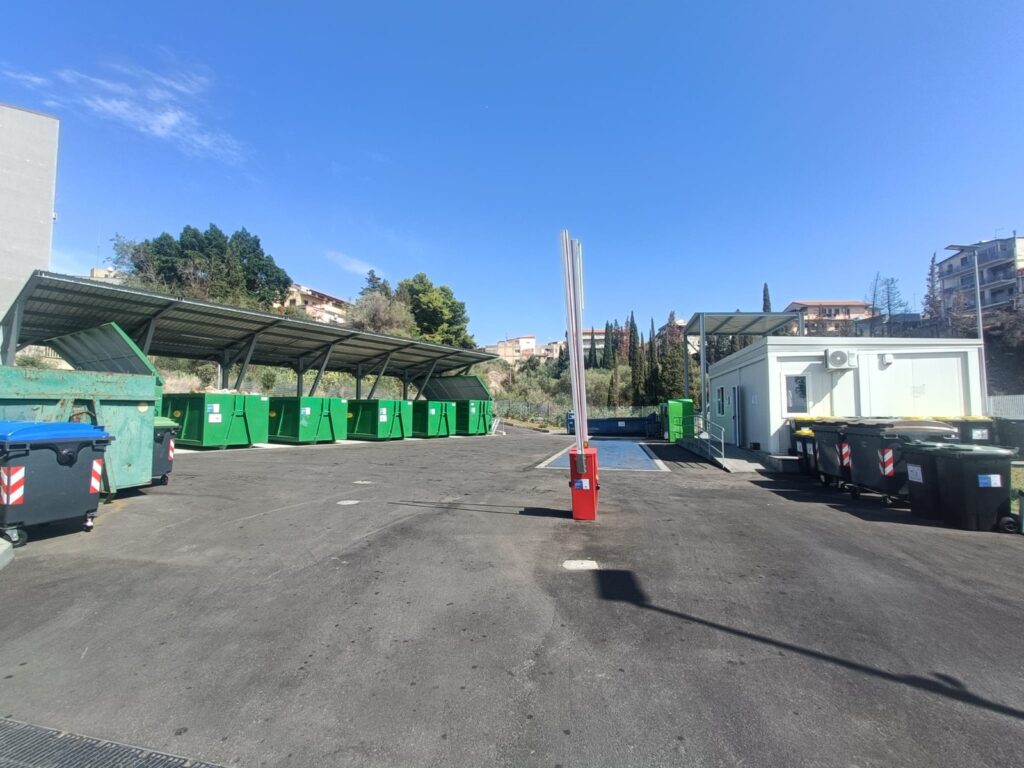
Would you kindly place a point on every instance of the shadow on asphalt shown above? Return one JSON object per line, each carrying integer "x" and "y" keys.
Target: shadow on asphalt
{"x": 678, "y": 455}
{"x": 494, "y": 509}
{"x": 623, "y": 586}
{"x": 869, "y": 507}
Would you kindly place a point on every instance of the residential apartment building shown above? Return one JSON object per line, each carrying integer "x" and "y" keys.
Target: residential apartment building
{"x": 1001, "y": 267}
{"x": 321, "y": 307}
{"x": 514, "y": 349}
{"x": 823, "y": 317}
{"x": 552, "y": 349}
{"x": 595, "y": 334}
{"x": 28, "y": 182}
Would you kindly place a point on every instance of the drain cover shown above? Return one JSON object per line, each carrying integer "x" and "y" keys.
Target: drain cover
{"x": 29, "y": 746}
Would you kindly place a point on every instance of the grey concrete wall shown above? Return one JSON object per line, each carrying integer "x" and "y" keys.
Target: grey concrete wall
{"x": 28, "y": 177}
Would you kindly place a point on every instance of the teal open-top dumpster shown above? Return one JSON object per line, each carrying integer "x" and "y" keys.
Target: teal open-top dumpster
{"x": 113, "y": 385}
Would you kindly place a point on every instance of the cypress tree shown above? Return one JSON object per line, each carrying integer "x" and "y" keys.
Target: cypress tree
{"x": 591, "y": 361}
{"x": 766, "y": 300}
{"x": 638, "y": 375}
{"x": 653, "y": 369}
{"x": 607, "y": 356}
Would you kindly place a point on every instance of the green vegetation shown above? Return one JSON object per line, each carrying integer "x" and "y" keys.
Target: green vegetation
{"x": 204, "y": 265}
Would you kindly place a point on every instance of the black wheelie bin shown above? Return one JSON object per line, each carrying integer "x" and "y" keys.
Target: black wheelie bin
{"x": 876, "y": 452}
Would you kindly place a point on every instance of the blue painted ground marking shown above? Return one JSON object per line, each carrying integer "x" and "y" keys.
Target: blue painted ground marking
{"x": 630, "y": 455}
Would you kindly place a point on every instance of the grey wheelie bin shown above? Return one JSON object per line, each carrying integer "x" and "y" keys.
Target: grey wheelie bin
{"x": 972, "y": 430}
{"x": 164, "y": 433}
{"x": 804, "y": 441}
{"x": 832, "y": 452}
{"x": 49, "y": 471}
{"x": 974, "y": 487}
{"x": 876, "y": 452}
{"x": 923, "y": 478}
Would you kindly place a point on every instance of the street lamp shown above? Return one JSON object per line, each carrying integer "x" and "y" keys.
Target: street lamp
{"x": 981, "y": 328}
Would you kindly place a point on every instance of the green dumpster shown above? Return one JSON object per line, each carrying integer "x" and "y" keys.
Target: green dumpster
{"x": 219, "y": 419}
{"x": 123, "y": 404}
{"x": 308, "y": 419}
{"x": 676, "y": 419}
{"x": 379, "y": 419}
{"x": 165, "y": 432}
{"x": 433, "y": 418}
{"x": 473, "y": 417}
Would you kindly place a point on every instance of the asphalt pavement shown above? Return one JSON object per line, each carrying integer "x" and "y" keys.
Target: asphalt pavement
{"x": 405, "y": 604}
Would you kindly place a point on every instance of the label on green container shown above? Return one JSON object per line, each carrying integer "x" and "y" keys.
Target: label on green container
{"x": 215, "y": 418}
{"x": 307, "y": 411}
{"x": 433, "y": 412}
{"x": 914, "y": 473}
{"x": 213, "y": 407}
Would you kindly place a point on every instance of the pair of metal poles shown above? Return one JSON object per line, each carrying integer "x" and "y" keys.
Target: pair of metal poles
{"x": 572, "y": 272}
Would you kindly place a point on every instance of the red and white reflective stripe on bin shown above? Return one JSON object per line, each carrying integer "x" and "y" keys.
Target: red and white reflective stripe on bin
{"x": 97, "y": 476}
{"x": 844, "y": 454}
{"x": 12, "y": 485}
{"x": 886, "y": 463}
{"x": 170, "y": 450}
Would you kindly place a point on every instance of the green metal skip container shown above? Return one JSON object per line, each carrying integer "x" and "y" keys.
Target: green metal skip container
{"x": 219, "y": 419}
{"x": 676, "y": 419}
{"x": 379, "y": 419}
{"x": 473, "y": 417}
{"x": 433, "y": 418}
{"x": 301, "y": 420}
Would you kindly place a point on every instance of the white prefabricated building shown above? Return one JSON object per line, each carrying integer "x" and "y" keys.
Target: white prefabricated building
{"x": 754, "y": 392}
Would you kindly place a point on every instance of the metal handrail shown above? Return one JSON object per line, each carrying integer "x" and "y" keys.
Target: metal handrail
{"x": 708, "y": 438}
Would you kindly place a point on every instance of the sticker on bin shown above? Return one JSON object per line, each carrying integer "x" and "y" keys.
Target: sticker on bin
{"x": 215, "y": 418}
{"x": 979, "y": 434}
{"x": 213, "y": 407}
{"x": 306, "y": 411}
{"x": 433, "y": 411}
{"x": 990, "y": 481}
{"x": 914, "y": 473}
{"x": 581, "y": 485}
{"x": 886, "y": 463}
{"x": 12, "y": 485}
{"x": 97, "y": 476}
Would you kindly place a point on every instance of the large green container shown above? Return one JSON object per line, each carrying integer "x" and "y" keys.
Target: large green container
{"x": 308, "y": 419}
{"x": 676, "y": 419}
{"x": 219, "y": 419}
{"x": 123, "y": 404}
{"x": 433, "y": 418}
{"x": 379, "y": 419}
{"x": 473, "y": 417}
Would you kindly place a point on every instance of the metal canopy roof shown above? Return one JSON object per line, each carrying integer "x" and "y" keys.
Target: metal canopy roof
{"x": 741, "y": 323}
{"x": 52, "y": 305}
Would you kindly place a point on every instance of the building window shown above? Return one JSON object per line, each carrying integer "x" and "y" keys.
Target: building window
{"x": 796, "y": 394}
{"x": 720, "y": 401}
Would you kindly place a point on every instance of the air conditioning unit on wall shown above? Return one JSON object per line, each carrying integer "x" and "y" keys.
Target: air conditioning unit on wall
{"x": 840, "y": 359}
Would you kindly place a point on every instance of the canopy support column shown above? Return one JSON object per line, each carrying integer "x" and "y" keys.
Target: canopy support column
{"x": 359, "y": 382}
{"x": 323, "y": 367}
{"x": 686, "y": 364}
{"x": 245, "y": 363}
{"x": 380, "y": 375}
{"x": 11, "y": 333}
{"x": 703, "y": 370}
{"x": 426, "y": 380}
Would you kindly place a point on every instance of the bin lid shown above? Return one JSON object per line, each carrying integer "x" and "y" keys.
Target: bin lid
{"x": 960, "y": 451}
{"x": 900, "y": 427}
{"x": 804, "y": 433}
{"x": 45, "y": 431}
{"x": 162, "y": 422}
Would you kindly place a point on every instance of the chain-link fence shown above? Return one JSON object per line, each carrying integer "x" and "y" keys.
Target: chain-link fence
{"x": 554, "y": 413}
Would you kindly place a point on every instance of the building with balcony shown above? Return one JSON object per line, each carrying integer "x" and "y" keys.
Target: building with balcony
{"x": 824, "y": 317}
{"x": 1001, "y": 267}
{"x": 319, "y": 306}
{"x": 514, "y": 349}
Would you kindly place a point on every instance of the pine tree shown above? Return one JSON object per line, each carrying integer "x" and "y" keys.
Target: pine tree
{"x": 653, "y": 369}
{"x": 766, "y": 300}
{"x": 932, "y": 304}
{"x": 638, "y": 375}
{"x": 591, "y": 361}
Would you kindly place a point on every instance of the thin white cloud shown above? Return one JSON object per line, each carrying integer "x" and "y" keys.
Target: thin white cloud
{"x": 350, "y": 264}
{"x": 161, "y": 105}
{"x": 26, "y": 79}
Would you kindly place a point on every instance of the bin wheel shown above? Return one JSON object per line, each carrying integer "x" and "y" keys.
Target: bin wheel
{"x": 16, "y": 536}
{"x": 1007, "y": 525}
{"x": 888, "y": 501}
{"x": 854, "y": 492}
{"x": 164, "y": 480}
{"x": 824, "y": 479}
{"x": 89, "y": 523}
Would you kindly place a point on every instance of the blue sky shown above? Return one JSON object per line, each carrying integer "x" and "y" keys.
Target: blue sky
{"x": 697, "y": 149}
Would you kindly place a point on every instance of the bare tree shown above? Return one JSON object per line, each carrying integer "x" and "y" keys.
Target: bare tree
{"x": 873, "y": 297}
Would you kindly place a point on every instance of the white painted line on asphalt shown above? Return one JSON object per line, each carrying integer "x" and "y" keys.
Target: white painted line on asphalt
{"x": 362, "y": 482}
{"x": 657, "y": 462}
{"x": 544, "y": 464}
{"x": 580, "y": 565}
{"x": 348, "y": 502}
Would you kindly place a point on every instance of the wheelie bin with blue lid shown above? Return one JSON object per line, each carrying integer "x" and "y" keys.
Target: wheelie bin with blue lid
{"x": 49, "y": 472}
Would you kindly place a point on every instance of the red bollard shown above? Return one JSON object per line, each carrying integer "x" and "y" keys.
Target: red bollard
{"x": 584, "y": 485}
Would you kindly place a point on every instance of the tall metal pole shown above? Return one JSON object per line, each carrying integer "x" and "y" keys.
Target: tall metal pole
{"x": 981, "y": 334}
{"x": 703, "y": 371}
{"x": 572, "y": 270}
